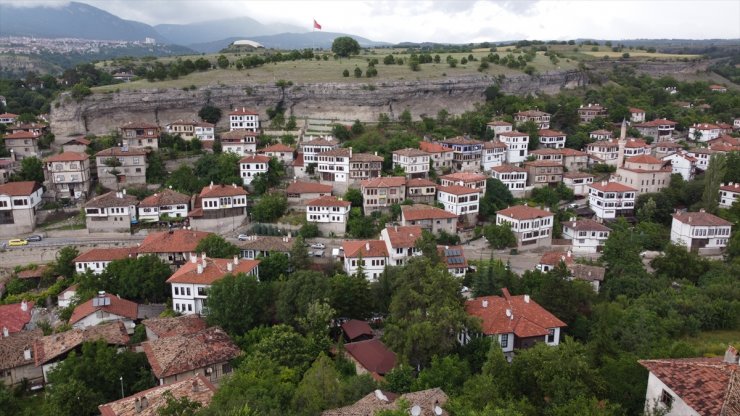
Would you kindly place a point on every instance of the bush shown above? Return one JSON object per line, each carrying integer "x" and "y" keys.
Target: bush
{"x": 345, "y": 73}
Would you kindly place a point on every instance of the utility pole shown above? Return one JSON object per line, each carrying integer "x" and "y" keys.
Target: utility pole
{"x": 122, "y": 395}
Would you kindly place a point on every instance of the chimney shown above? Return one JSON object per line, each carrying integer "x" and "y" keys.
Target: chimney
{"x": 193, "y": 259}
{"x": 229, "y": 267}
{"x": 203, "y": 259}
{"x": 236, "y": 260}
{"x": 194, "y": 388}
{"x": 211, "y": 185}
{"x": 199, "y": 269}
{"x": 119, "y": 195}
{"x": 350, "y": 152}
{"x": 603, "y": 183}
{"x": 124, "y": 191}
{"x": 27, "y": 354}
{"x": 506, "y": 293}
{"x": 731, "y": 355}
{"x": 569, "y": 254}
{"x": 6, "y": 333}
{"x": 367, "y": 246}
{"x": 526, "y": 298}
{"x": 484, "y": 303}
{"x": 24, "y": 306}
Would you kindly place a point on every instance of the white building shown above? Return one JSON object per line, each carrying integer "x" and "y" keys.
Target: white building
{"x": 313, "y": 147}
{"x": 609, "y": 200}
{"x": 379, "y": 194}
{"x": 517, "y": 146}
{"x": 190, "y": 129}
{"x": 540, "y": 118}
{"x": 8, "y": 118}
{"x": 601, "y": 135}
{"x": 704, "y": 132}
{"x": 333, "y": 166}
{"x": 459, "y": 200}
{"x": 190, "y": 283}
{"x": 97, "y": 259}
{"x": 636, "y": 147}
{"x": 414, "y": 162}
{"x": 466, "y": 179}
{"x": 498, "y": 127}
{"x": 515, "y": 178}
{"x": 113, "y": 212}
{"x": 729, "y": 194}
{"x": 252, "y": 165}
{"x": 241, "y": 142}
{"x": 329, "y": 213}
{"x": 494, "y": 154}
{"x": 105, "y": 308}
{"x": 682, "y": 163}
{"x": 700, "y": 230}
{"x": 578, "y": 182}
{"x": 164, "y": 205}
{"x": 400, "y": 243}
{"x": 441, "y": 156}
{"x": 637, "y": 115}
{"x": 531, "y": 226}
{"x": 68, "y": 175}
{"x": 205, "y": 131}
{"x": 279, "y": 151}
{"x": 552, "y": 139}
{"x": 219, "y": 208}
{"x": 587, "y": 236}
{"x": 244, "y": 119}
{"x": 18, "y": 204}
{"x": 606, "y": 151}
{"x": 371, "y": 255}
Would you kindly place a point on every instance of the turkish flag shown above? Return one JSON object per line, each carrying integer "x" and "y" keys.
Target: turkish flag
{"x": 316, "y": 24}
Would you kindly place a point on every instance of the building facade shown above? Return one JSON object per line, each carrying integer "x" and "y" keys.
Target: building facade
{"x": 130, "y": 169}
{"x": 113, "y": 212}
{"x": 531, "y": 226}
{"x": 19, "y": 202}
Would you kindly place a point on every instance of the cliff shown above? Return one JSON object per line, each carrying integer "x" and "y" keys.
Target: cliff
{"x": 102, "y": 113}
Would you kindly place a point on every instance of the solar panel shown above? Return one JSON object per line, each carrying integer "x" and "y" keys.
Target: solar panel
{"x": 456, "y": 260}
{"x": 451, "y": 252}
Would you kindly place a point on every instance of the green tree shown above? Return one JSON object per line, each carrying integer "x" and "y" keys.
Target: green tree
{"x": 178, "y": 406}
{"x": 274, "y": 266}
{"x": 184, "y": 180}
{"x": 141, "y": 279}
{"x": 448, "y": 373}
{"x": 497, "y": 197}
{"x": 405, "y": 118}
{"x": 350, "y": 296}
{"x": 222, "y": 62}
{"x": 216, "y": 246}
{"x": 31, "y": 170}
{"x": 354, "y": 196}
{"x": 499, "y": 236}
{"x": 269, "y": 207}
{"x": 345, "y": 73}
{"x": 428, "y": 246}
{"x": 345, "y": 46}
{"x": 318, "y": 389}
{"x": 210, "y": 114}
{"x": 299, "y": 259}
{"x": 156, "y": 171}
{"x": 303, "y": 288}
{"x": 426, "y": 312}
{"x": 64, "y": 264}
{"x": 712, "y": 180}
{"x": 358, "y": 72}
{"x": 239, "y": 303}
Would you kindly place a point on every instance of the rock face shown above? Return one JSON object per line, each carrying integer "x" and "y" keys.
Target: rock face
{"x": 103, "y": 113}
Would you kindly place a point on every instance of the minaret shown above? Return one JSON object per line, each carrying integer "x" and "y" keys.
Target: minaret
{"x": 622, "y": 142}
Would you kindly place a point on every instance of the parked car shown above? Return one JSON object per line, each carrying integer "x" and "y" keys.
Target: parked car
{"x": 317, "y": 253}
{"x": 242, "y": 237}
{"x": 573, "y": 205}
{"x": 35, "y": 237}
{"x": 318, "y": 245}
{"x": 17, "y": 242}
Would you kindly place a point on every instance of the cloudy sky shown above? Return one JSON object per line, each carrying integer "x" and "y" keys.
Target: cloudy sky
{"x": 459, "y": 21}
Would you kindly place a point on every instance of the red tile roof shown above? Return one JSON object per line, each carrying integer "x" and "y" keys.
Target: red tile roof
{"x": 13, "y": 317}
{"x": 278, "y": 147}
{"x": 709, "y": 386}
{"x": 513, "y": 134}
{"x": 577, "y": 175}
{"x": 656, "y": 123}
{"x": 8, "y": 115}
{"x": 410, "y": 152}
{"x": 217, "y": 191}
{"x": 636, "y": 110}
{"x": 35, "y": 273}
{"x": 112, "y": 199}
{"x": 237, "y": 136}
{"x": 215, "y": 269}
{"x": 524, "y": 212}
{"x": 554, "y": 258}
{"x": 464, "y": 177}
{"x": 321, "y": 141}
{"x": 498, "y": 123}
{"x": 24, "y": 188}
{"x": 462, "y": 140}
{"x": 384, "y": 182}
{"x": 254, "y": 159}
{"x": 458, "y": 190}
{"x": 365, "y": 157}
{"x": 106, "y": 254}
{"x": 50, "y": 347}
{"x": 602, "y": 133}
{"x": 550, "y": 133}
{"x": 67, "y": 157}
{"x": 165, "y": 197}
{"x": 328, "y": 201}
{"x": 117, "y": 306}
{"x": 544, "y": 164}
{"x": 612, "y": 187}
{"x": 196, "y": 389}
{"x": 647, "y": 159}
{"x": 507, "y": 169}
{"x": 178, "y": 354}
{"x": 175, "y": 241}
{"x": 243, "y": 112}
{"x": 494, "y": 145}
{"x": 355, "y": 328}
{"x": 424, "y": 212}
{"x": 13, "y": 347}
{"x": 22, "y": 134}
{"x": 118, "y": 151}
{"x": 417, "y": 182}
{"x": 364, "y": 248}
{"x": 299, "y": 187}
{"x": 526, "y": 319}
{"x": 701, "y": 219}
{"x": 635, "y": 144}
{"x": 432, "y": 147}
{"x": 372, "y": 355}
{"x": 532, "y": 113}
{"x": 735, "y": 187}
{"x": 586, "y": 225}
{"x": 404, "y": 236}
{"x": 173, "y": 326}
{"x": 338, "y": 152}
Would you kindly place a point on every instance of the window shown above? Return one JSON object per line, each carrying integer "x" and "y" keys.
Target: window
{"x": 666, "y": 398}
{"x": 551, "y": 335}
{"x": 504, "y": 340}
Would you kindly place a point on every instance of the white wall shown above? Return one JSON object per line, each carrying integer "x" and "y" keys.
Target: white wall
{"x": 654, "y": 392}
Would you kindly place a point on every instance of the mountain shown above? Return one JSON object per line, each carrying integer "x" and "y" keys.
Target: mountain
{"x": 288, "y": 41}
{"x": 214, "y": 30}
{"x": 74, "y": 20}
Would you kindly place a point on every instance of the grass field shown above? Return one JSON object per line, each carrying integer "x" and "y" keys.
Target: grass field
{"x": 301, "y": 72}
{"x": 637, "y": 54}
{"x": 714, "y": 343}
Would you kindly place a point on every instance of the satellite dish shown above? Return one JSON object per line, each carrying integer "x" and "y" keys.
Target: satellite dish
{"x": 416, "y": 410}
{"x": 437, "y": 410}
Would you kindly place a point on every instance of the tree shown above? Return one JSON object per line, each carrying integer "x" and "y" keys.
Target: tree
{"x": 263, "y": 182}
{"x": 239, "y": 303}
{"x": 178, "y": 407}
{"x": 222, "y": 62}
{"x": 303, "y": 288}
{"x": 497, "y": 197}
{"x": 269, "y": 207}
{"x": 712, "y": 180}
{"x": 499, "y": 236}
{"x": 156, "y": 171}
{"x": 405, "y": 118}
{"x": 216, "y": 246}
{"x": 210, "y": 114}
{"x": 358, "y": 72}
{"x": 428, "y": 246}
{"x": 299, "y": 254}
{"x": 426, "y": 312}
{"x": 354, "y": 196}
{"x": 318, "y": 389}
{"x": 32, "y": 169}
{"x": 350, "y": 296}
{"x": 141, "y": 279}
{"x": 65, "y": 265}
{"x": 184, "y": 180}
{"x": 448, "y": 373}
{"x": 345, "y": 73}
{"x": 345, "y": 46}
{"x": 274, "y": 266}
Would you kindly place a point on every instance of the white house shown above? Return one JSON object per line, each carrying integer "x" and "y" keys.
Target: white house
{"x": 279, "y": 151}
{"x": 68, "y": 175}
{"x": 113, "y": 212}
{"x": 704, "y": 132}
{"x": 205, "y": 131}
{"x": 379, "y": 194}
{"x": 311, "y": 148}
{"x": 517, "y": 322}
{"x": 531, "y": 226}
{"x": 441, "y": 156}
{"x": 515, "y": 178}
{"x": 606, "y": 151}
{"x": 700, "y": 230}
{"x": 601, "y": 135}
{"x": 498, "y": 127}
{"x": 587, "y": 236}
{"x": 466, "y": 179}
{"x": 8, "y": 118}
{"x": 190, "y": 129}
{"x": 578, "y": 182}
{"x": 241, "y": 142}
{"x": 494, "y": 154}
{"x": 400, "y": 243}
{"x": 517, "y": 145}
{"x": 105, "y": 308}
{"x": 67, "y": 296}
{"x": 329, "y": 213}
{"x": 729, "y": 194}
{"x": 659, "y": 129}
{"x": 244, "y": 119}
{"x": 552, "y": 139}
{"x": 97, "y": 259}
{"x": 371, "y": 255}
{"x": 609, "y": 200}
{"x": 219, "y": 208}
{"x": 190, "y": 283}
{"x": 333, "y": 166}
{"x": 19, "y": 202}
{"x": 252, "y": 165}
{"x": 636, "y": 147}
{"x": 637, "y": 115}
{"x": 682, "y": 164}
{"x": 414, "y": 162}
{"x": 540, "y": 118}
{"x": 459, "y": 200}
{"x": 164, "y": 205}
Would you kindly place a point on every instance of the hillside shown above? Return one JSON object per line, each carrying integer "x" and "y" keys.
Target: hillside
{"x": 287, "y": 41}
{"x": 216, "y": 30}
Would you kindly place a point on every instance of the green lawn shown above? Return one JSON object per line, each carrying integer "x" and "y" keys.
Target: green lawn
{"x": 714, "y": 343}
